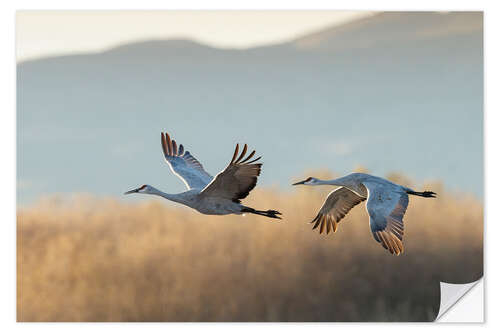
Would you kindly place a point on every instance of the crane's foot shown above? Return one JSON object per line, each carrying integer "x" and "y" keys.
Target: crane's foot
{"x": 273, "y": 214}
{"x": 425, "y": 194}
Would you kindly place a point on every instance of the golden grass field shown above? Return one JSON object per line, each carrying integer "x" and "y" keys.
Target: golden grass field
{"x": 95, "y": 259}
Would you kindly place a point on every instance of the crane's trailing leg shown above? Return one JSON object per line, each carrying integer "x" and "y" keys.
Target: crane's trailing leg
{"x": 269, "y": 213}
{"x": 425, "y": 194}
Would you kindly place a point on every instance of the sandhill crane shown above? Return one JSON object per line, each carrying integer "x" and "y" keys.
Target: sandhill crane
{"x": 208, "y": 195}
{"x": 386, "y": 206}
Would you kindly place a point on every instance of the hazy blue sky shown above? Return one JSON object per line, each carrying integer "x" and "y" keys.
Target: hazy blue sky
{"x": 42, "y": 33}
{"x": 393, "y": 92}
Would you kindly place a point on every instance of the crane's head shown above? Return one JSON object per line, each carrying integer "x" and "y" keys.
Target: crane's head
{"x": 308, "y": 181}
{"x": 143, "y": 189}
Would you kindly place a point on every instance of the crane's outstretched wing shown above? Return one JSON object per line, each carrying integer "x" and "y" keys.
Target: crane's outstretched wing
{"x": 337, "y": 204}
{"x": 237, "y": 179}
{"x": 386, "y": 208}
{"x": 184, "y": 165}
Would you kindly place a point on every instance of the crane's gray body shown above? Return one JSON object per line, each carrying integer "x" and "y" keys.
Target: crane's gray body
{"x": 219, "y": 195}
{"x": 360, "y": 182}
{"x": 383, "y": 195}
{"x": 386, "y": 205}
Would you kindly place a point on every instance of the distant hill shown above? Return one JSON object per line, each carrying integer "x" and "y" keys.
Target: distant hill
{"x": 391, "y": 28}
{"x": 392, "y": 92}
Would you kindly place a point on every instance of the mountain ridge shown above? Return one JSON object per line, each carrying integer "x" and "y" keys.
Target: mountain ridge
{"x": 454, "y": 21}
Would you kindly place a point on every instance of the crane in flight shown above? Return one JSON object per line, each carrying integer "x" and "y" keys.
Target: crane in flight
{"x": 386, "y": 206}
{"x": 219, "y": 195}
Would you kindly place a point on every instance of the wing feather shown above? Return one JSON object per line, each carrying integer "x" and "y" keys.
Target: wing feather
{"x": 249, "y": 157}
{"x": 174, "y": 145}
{"x": 237, "y": 180}
{"x": 242, "y": 154}
{"x": 386, "y": 207}
{"x": 183, "y": 164}
{"x": 254, "y": 160}
{"x": 337, "y": 204}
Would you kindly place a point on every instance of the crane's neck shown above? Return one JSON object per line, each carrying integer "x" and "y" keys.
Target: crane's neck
{"x": 172, "y": 197}
{"x": 337, "y": 181}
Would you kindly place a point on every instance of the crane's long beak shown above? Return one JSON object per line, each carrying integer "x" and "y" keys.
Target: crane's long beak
{"x": 132, "y": 191}
{"x": 300, "y": 183}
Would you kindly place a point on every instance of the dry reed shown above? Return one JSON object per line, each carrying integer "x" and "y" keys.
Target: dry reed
{"x": 91, "y": 259}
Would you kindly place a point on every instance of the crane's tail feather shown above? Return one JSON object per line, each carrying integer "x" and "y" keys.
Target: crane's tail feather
{"x": 268, "y": 213}
{"x": 425, "y": 194}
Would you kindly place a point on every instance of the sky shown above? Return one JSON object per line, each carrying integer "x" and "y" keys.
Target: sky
{"x": 58, "y": 106}
{"x": 45, "y": 33}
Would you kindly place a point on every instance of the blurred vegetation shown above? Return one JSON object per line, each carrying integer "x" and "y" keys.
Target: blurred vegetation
{"x": 94, "y": 259}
